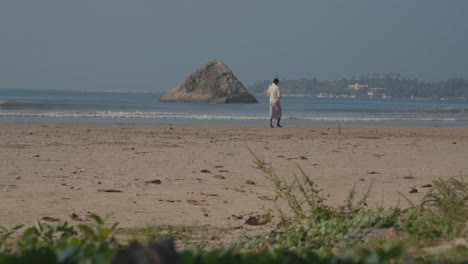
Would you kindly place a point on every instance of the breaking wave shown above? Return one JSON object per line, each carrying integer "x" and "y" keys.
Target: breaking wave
{"x": 199, "y": 116}
{"x": 125, "y": 115}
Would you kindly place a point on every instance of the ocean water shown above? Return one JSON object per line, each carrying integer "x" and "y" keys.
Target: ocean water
{"x": 32, "y": 106}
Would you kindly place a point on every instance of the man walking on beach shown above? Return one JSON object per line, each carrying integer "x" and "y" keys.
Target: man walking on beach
{"x": 275, "y": 107}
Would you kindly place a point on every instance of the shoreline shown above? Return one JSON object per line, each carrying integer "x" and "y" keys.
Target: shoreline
{"x": 204, "y": 174}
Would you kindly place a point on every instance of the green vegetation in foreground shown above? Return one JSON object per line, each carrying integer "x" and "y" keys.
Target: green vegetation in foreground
{"x": 412, "y": 233}
{"x": 310, "y": 232}
{"x": 204, "y": 236}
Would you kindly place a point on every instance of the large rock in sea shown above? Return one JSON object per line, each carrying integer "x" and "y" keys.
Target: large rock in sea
{"x": 212, "y": 83}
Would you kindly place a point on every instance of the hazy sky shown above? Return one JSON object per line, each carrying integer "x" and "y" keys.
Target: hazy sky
{"x": 152, "y": 45}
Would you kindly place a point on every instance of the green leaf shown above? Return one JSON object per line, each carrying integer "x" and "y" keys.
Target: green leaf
{"x": 87, "y": 231}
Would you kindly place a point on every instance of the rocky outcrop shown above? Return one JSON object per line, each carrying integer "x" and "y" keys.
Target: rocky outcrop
{"x": 212, "y": 83}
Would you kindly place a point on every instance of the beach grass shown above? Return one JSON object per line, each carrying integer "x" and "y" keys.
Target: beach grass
{"x": 311, "y": 225}
{"x": 434, "y": 231}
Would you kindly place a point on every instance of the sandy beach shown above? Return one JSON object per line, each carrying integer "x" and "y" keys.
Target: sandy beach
{"x": 195, "y": 175}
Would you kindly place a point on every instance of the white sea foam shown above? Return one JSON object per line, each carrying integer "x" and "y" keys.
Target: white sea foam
{"x": 124, "y": 115}
{"x": 192, "y": 116}
{"x": 82, "y": 107}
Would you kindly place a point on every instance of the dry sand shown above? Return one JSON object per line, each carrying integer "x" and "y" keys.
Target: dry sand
{"x": 200, "y": 173}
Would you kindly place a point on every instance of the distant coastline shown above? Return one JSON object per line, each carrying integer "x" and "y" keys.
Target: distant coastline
{"x": 325, "y": 95}
{"x": 372, "y": 86}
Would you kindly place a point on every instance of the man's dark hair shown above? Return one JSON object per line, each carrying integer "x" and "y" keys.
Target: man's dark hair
{"x": 275, "y": 81}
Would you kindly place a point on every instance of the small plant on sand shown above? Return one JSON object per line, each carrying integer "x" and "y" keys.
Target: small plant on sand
{"x": 449, "y": 197}
{"x": 443, "y": 212}
{"x": 5, "y": 234}
{"x": 309, "y": 224}
{"x": 303, "y": 204}
{"x": 314, "y": 225}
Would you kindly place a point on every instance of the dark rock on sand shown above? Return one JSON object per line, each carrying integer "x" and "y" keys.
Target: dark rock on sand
{"x": 212, "y": 83}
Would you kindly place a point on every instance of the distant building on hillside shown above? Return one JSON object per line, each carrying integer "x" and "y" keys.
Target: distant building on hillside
{"x": 375, "y": 92}
{"x": 357, "y": 86}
